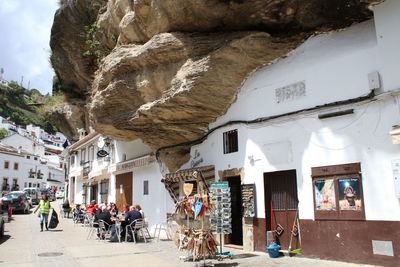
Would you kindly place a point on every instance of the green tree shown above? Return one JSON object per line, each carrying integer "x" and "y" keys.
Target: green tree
{"x": 3, "y": 133}
{"x": 56, "y": 85}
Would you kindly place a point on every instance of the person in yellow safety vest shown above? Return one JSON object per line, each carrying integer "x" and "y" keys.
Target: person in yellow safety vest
{"x": 44, "y": 210}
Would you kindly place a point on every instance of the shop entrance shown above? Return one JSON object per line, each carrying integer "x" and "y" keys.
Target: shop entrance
{"x": 280, "y": 191}
{"x": 94, "y": 192}
{"x": 123, "y": 188}
{"x": 236, "y": 237}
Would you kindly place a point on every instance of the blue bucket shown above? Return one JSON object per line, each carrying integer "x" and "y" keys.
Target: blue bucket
{"x": 273, "y": 250}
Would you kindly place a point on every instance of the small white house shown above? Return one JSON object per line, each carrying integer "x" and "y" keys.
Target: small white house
{"x": 125, "y": 173}
{"x": 20, "y": 169}
{"x": 31, "y": 144}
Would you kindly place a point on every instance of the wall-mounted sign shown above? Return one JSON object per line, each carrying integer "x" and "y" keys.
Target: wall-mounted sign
{"x": 102, "y": 153}
{"x": 100, "y": 143}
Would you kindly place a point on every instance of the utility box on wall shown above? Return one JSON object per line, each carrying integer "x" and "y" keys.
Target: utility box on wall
{"x": 396, "y": 176}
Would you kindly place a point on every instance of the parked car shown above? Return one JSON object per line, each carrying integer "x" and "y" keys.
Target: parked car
{"x": 17, "y": 200}
{"x": 33, "y": 194}
{"x": 1, "y": 225}
{"x": 51, "y": 195}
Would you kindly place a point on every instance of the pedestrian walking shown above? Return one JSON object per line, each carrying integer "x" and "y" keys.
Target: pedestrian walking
{"x": 44, "y": 210}
{"x": 66, "y": 208}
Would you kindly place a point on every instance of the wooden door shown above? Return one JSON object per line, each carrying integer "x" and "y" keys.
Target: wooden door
{"x": 236, "y": 237}
{"x": 281, "y": 206}
{"x": 123, "y": 194}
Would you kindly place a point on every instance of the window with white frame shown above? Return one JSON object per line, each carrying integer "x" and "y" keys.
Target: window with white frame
{"x": 6, "y": 164}
{"x": 104, "y": 192}
{"x": 230, "y": 139}
{"x": 15, "y": 186}
{"x": 73, "y": 160}
{"x": 5, "y": 186}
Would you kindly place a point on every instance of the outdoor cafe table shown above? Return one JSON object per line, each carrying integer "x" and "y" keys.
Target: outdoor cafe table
{"x": 119, "y": 225}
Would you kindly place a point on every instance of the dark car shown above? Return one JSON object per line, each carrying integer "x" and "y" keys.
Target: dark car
{"x": 17, "y": 200}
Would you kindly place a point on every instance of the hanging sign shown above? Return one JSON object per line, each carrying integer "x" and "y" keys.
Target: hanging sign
{"x": 187, "y": 188}
{"x": 102, "y": 153}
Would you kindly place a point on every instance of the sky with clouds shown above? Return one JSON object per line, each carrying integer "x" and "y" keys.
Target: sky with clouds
{"x": 25, "y": 27}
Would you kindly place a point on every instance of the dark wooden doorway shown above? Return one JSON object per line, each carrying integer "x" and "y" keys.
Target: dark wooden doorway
{"x": 123, "y": 187}
{"x": 236, "y": 238}
{"x": 281, "y": 205}
{"x": 94, "y": 193}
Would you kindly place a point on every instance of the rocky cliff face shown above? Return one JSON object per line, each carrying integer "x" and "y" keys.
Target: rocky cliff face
{"x": 162, "y": 70}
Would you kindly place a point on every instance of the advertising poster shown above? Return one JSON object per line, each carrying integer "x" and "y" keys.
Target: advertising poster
{"x": 325, "y": 195}
{"x": 349, "y": 194}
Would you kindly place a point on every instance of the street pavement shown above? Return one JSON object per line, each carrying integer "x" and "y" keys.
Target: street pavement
{"x": 24, "y": 245}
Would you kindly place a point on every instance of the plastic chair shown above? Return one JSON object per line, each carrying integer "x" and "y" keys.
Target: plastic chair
{"x": 78, "y": 218}
{"x": 163, "y": 226}
{"x": 88, "y": 220}
{"x": 135, "y": 227}
{"x": 104, "y": 230}
{"x": 94, "y": 228}
{"x": 145, "y": 228}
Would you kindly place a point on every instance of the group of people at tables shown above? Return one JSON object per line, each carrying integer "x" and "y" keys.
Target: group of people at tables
{"x": 109, "y": 214}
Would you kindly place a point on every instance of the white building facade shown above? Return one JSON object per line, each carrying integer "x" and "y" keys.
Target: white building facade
{"x": 125, "y": 173}
{"x": 19, "y": 169}
{"x": 137, "y": 179}
{"x": 315, "y": 141}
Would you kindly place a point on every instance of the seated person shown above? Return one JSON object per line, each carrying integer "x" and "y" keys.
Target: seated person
{"x": 103, "y": 215}
{"x": 126, "y": 210}
{"x": 132, "y": 215}
{"x": 113, "y": 209}
{"x": 78, "y": 213}
{"x": 139, "y": 209}
{"x": 91, "y": 209}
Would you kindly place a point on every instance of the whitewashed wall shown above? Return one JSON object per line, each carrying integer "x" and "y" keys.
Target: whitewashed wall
{"x": 131, "y": 149}
{"x": 387, "y": 20}
{"x": 17, "y": 140}
{"x": 24, "y": 166}
{"x": 157, "y": 203}
{"x": 333, "y": 67}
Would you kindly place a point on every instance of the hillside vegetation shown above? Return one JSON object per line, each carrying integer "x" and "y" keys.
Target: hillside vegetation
{"x": 24, "y": 106}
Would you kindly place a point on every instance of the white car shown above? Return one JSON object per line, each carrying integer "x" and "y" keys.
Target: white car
{"x": 59, "y": 194}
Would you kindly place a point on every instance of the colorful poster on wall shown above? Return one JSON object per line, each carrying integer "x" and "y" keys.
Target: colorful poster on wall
{"x": 325, "y": 194}
{"x": 350, "y": 194}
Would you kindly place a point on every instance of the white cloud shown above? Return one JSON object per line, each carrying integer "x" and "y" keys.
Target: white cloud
{"x": 8, "y": 7}
{"x": 24, "y": 42}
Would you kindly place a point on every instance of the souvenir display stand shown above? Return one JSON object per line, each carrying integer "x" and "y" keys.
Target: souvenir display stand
{"x": 248, "y": 200}
{"x": 194, "y": 234}
{"x": 221, "y": 221}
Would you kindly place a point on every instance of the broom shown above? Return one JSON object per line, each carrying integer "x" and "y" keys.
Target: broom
{"x": 296, "y": 221}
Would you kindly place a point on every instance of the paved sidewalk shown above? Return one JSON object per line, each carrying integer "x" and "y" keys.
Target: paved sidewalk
{"x": 25, "y": 245}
